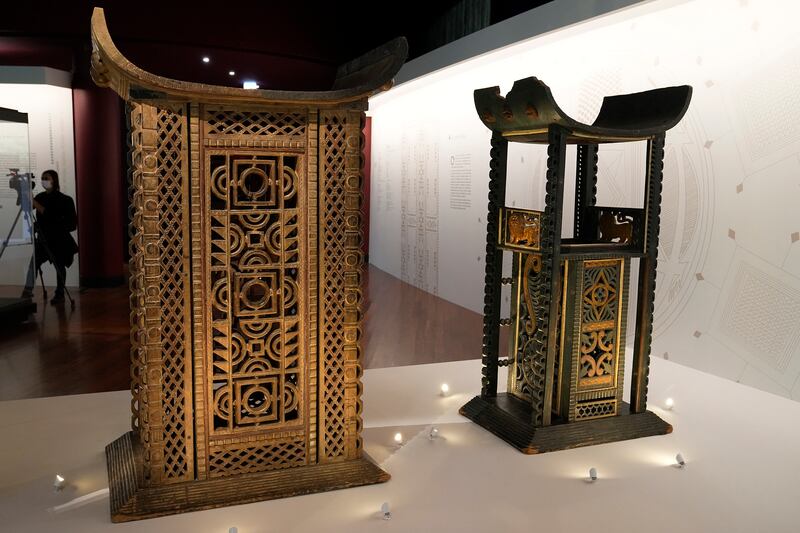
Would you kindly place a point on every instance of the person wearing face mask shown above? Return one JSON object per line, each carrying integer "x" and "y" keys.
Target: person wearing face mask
{"x": 55, "y": 219}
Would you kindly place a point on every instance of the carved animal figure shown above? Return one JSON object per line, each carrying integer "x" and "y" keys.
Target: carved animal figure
{"x": 615, "y": 226}
{"x": 523, "y": 229}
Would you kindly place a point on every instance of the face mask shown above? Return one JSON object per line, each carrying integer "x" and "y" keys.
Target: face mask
{"x": 47, "y": 184}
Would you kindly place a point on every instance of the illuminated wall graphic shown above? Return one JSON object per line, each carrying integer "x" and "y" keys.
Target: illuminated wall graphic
{"x": 728, "y": 290}
{"x": 50, "y": 133}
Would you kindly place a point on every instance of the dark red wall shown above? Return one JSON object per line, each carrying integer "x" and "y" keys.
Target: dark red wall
{"x": 100, "y": 185}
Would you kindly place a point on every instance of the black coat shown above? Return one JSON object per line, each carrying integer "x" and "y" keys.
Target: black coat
{"x": 54, "y": 225}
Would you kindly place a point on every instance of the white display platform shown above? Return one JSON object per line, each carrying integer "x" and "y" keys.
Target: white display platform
{"x": 742, "y": 448}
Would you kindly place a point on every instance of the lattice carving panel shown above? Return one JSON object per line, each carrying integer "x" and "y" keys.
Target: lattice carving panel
{"x": 160, "y": 351}
{"x": 588, "y": 410}
{"x": 274, "y": 455}
{"x": 172, "y": 206}
{"x": 255, "y": 122}
{"x": 333, "y": 145}
{"x": 257, "y": 357}
{"x": 340, "y": 285}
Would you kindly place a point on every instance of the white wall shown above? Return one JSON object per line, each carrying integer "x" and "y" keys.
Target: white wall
{"x": 728, "y": 296}
{"x": 49, "y": 109}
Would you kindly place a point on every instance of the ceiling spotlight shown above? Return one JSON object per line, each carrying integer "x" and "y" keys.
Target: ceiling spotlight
{"x": 433, "y": 433}
{"x": 669, "y": 403}
{"x": 250, "y": 85}
{"x": 593, "y": 474}
{"x": 680, "y": 460}
{"x": 398, "y": 438}
{"x": 445, "y": 389}
{"x": 59, "y": 482}
{"x": 206, "y": 59}
{"x": 231, "y": 73}
{"x": 387, "y": 514}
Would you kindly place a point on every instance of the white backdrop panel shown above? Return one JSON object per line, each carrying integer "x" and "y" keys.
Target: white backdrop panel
{"x": 52, "y": 146}
{"x": 729, "y": 255}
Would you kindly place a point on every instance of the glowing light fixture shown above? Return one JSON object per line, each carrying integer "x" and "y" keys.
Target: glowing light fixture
{"x": 250, "y": 85}
{"x": 680, "y": 460}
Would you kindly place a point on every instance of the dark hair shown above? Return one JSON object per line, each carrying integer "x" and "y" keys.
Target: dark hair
{"x": 53, "y": 177}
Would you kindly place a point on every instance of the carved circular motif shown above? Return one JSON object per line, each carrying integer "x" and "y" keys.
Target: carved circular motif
{"x": 253, "y": 182}
{"x": 256, "y": 400}
{"x": 255, "y": 293}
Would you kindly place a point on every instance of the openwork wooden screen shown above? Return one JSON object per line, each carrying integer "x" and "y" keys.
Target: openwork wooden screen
{"x": 245, "y": 229}
{"x": 245, "y": 287}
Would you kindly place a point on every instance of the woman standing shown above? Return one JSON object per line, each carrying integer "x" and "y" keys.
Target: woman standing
{"x": 55, "y": 219}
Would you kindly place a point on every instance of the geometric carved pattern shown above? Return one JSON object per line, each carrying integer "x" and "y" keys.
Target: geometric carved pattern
{"x": 528, "y": 333}
{"x": 598, "y": 338}
{"x": 585, "y": 411}
{"x": 245, "y": 288}
{"x": 136, "y": 268}
{"x": 599, "y": 323}
{"x": 226, "y": 461}
{"x": 341, "y": 163}
{"x": 172, "y": 293}
{"x": 257, "y": 358}
{"x": 238, "y": 122}
{"x": 332, "y": 301}
{"x": 160, "y": 353}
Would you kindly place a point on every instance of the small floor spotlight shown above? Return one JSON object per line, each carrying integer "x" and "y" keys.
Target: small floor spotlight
{"x": 398, "y": 439}
{"x": 680, "y": 460}
{"x": 206, "y": 59}
{"x": 434, "y": 433}
{"x": 387, "y": 514}
{"x": 59, "y": 482}
{"x": 593, "y": 474}
{"x": 669, "y": 403}
{"x": 233, "y": 529}
{"x": 444, "y": 389}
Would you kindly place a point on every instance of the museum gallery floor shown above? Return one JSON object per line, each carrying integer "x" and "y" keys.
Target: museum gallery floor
{"x": 739, "y": 444}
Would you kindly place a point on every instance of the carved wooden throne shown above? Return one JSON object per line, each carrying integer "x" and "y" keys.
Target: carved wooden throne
{"x": 570, "y": 296}
{"x": 245, "y": 287}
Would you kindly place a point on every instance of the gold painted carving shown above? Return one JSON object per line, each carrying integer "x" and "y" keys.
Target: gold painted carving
{"x": 520, "y": 229}
{"x": 615, "y": 228}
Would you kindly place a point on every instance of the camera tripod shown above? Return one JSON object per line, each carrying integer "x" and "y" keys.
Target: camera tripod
{"x": 42, "y": 241}
{"x": 10, "y": 231}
